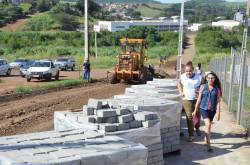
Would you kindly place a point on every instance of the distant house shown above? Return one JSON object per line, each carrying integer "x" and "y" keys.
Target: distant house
{"x": 195, "y": 27}
{"x": 226, "y": 24}
{"x": 239, "y": 16}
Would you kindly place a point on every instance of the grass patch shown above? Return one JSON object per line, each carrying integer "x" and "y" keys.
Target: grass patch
{"x": 25, "y": 7}
{"x": 48, "y": 86}
{"x": 149, "y": 12}
{"x": 1, "y": 81}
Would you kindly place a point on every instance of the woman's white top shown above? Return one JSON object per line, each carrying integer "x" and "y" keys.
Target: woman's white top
{"x": 191, "y": 86}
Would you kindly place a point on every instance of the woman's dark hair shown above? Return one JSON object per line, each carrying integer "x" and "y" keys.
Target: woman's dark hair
{"x": 190, "y": 64}
{"x": 199, "y": 65}
{"x": 217, "y": 82}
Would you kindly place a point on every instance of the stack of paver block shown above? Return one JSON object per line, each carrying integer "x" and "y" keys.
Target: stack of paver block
{"x": 169, "y": 112}
{"x": 76, "y": 147}
{"x": 140, "y": 127}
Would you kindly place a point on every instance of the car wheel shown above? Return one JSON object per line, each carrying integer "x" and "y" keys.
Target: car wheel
{"x": 49, "y": 78}
{"x": 66, "y": 67}
{"x": 28, "y": 79}
{"x": 73, "y": 68}
{"x": 8, "y": 73}
{"x": 57, "y": 76}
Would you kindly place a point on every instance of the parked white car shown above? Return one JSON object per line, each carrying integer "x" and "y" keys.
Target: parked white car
{"x": 42, "y": 70}
{"x": 4, "y": 68}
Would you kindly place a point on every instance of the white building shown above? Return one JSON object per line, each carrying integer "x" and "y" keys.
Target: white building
{"x": 195, "y": 27}
{"x": 159, "y": 25}
{"x": 239, "y": 16}
{"x": 226, "y": 24}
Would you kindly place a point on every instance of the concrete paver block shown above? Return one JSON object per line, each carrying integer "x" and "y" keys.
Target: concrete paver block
{"x": 149, "y": 123}
{"x": 106, "y": 113}
{"x": 122, "y": 126}
{"x": 88, "y": 110}
{"x": 135, "y": 124}
{"x": 145, "y": 116}
{"x": 111, "y": 120}
{"x": 125, "y": 118}
{"x": 94, "y": 103}
{"x": 108, "y": 127}
{"x": 122, "y": 111}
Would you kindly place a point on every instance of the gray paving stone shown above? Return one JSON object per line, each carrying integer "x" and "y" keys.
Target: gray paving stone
{"x": 92, "y": 119}
{"x": 96, "y": 104}
{"x": 145, "y": 116}
{"x": 78, "y": 150}
{"x": 88, "y": 110}
{"x": 122, "y": 126}
{"x": 111, "y": 120}
{"x": 106, "y": 113}
{"x": 108, "y": 127}
{"x": 122, "y": 111}
{"x": 150, "y": 123}
{"x": 125, "y": 118}
{"x": 154, "y": 147}
{"x": 135, "y": 124}
{"x": 172, "y": 129}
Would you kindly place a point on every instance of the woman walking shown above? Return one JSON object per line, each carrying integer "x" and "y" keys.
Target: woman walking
{"x": 207, "y": 102}
{"x": 188, "y": 86}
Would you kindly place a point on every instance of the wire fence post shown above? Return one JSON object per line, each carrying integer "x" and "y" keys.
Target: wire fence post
{"x": 232, "y": 71}
{"x": 225, "y": 74}
{"x": 242, "y": 85}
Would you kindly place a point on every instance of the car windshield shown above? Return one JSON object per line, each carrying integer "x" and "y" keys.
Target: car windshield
{"x": 41, "y": 64}
{"x": 62, "y": 60}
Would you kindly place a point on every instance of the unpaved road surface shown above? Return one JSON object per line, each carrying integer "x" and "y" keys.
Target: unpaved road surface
{"x": 33, "y": 114}
{"x": 15, "y": 80}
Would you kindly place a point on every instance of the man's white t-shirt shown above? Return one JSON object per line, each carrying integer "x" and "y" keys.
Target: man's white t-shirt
{"x": 190, "y": 86}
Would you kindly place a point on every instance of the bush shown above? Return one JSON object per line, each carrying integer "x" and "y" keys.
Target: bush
{"x": 43, "y": 22}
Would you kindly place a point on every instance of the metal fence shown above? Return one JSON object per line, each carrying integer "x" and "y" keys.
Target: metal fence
{"x": 235, "y": 80}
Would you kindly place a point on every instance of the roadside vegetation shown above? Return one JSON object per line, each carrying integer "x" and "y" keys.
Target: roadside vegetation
{"x": 49, "y": 86}
{"x": 53, "y": 44}
{"x": 212, "y": 42}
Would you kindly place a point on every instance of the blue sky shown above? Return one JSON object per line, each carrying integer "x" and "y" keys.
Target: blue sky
{"x": 178, "y": 1}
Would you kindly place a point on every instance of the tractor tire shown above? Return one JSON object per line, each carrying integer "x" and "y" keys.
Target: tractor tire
{"x": 143, "y": 75}
{"x": 112, "y": 78}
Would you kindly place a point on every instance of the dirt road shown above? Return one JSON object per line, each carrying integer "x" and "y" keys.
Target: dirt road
{"x": 10, "y": 83}
{"x": 35, "y": 114}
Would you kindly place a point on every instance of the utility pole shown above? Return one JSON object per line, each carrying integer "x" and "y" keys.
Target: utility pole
{"x": 180, "y": 42}
{"x": 243, "y": 66}
{"x": 95, "y": 44}
{"x": 86, "y": 63}
{"x": 86, "y": 33}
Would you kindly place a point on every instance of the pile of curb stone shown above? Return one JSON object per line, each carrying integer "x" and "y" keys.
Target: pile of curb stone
{"x": 75, "y": 147}
{"x": 106, "y": 132}
{"x": 140, "y": 127}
